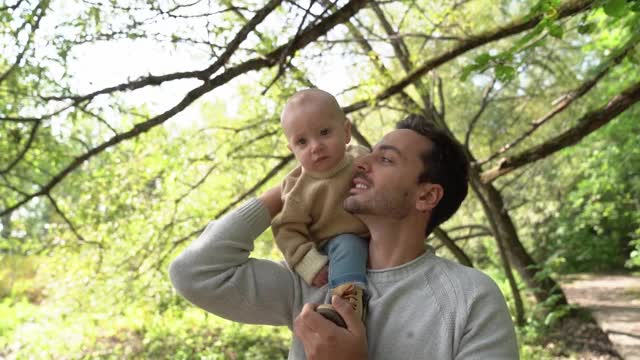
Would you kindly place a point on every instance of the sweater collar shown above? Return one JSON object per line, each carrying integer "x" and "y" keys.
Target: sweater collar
{"x": 402, "y": 271}
{"x": 346, "y": 161}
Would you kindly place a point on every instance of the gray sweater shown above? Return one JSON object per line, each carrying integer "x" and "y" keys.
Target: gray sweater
{"x": 429, "y": 308}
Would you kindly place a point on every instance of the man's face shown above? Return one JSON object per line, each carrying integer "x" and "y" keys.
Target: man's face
{"x": 386, "y": 180}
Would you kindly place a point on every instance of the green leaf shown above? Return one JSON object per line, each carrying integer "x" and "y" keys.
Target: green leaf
{"x": 556, "y": 31}
{"x": 586, "y": 28}
{"x": 615, "y": 8}
{"x": 505, "y": 72}
{"x": 483, "y": 59}
{"x": 465, "y": 73}
{"x": 528, "y": 37}
{"x": 467, "y": 70}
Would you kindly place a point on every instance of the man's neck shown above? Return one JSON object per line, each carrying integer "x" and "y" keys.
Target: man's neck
{"x": 394, "y": 242}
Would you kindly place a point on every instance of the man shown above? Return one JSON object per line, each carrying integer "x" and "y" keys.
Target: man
{"x": 420, "y": 306}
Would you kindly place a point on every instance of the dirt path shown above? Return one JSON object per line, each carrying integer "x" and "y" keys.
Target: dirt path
{"x": 614, "y": 301}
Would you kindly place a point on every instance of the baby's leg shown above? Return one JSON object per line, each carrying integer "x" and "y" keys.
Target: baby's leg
{"x": 347, "y": 275}
{"x": 348, "y": 255}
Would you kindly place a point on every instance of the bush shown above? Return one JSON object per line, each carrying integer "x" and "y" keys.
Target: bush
{"x": 597, "y": 223}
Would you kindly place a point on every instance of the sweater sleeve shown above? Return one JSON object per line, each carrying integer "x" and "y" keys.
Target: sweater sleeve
{"x": 291, "y": 231}
{"x": 215, "y": 271}
{"x": 489, "y": 331}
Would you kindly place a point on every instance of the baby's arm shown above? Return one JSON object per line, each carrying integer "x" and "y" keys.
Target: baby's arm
{"x": 291, "y": 231}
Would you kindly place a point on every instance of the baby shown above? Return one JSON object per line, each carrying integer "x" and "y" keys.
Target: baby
{"x": 313, "y": 228}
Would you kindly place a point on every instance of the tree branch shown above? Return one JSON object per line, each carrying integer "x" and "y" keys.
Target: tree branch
{"x": 306, "y": 37}
{"x": 589, "y": 123}
{"x": 483, "y": 106}
{"x": 515, "y": 27}
{"x": 455, "y": 249}
{"x": 15, "y": 161}
{"x": 70, "y": 224}
{"x": 42, "y": 6}
{"x": 566, "y": 100}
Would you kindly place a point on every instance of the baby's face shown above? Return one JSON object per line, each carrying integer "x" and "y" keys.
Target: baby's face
{"x": 316, "y": 137}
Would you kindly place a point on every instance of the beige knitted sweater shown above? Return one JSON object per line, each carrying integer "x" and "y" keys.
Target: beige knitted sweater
{"x": 312, "y": 214}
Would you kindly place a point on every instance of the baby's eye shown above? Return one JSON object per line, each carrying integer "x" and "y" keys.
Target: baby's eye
{"x": 324, "y": 131}
{"x": 301, "y": 141}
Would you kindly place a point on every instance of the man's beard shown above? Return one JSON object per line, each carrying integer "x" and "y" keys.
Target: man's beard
{"x": 384, "y": 205}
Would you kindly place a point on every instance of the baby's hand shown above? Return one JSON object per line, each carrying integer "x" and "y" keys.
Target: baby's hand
{"x": 321, "y": 278}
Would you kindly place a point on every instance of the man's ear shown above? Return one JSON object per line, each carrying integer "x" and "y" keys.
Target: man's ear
{"x": 429, "y": 196}
{"x": 347, "y": 130}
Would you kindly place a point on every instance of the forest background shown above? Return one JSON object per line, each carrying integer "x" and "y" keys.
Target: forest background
{"x": 126, "y": 126}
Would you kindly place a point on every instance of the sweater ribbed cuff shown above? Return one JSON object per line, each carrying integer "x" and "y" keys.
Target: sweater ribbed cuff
{"x": 254, "y": 217}
{"x": 310, "y": 265}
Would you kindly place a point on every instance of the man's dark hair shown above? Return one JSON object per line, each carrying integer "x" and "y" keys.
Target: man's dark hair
{"x": 445, "y": 164}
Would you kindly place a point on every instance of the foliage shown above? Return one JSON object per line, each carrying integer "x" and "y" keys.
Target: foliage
{"x": 621, "y": 14}
{"x": 83, "y": 262}
{"x": 596, "y": 225}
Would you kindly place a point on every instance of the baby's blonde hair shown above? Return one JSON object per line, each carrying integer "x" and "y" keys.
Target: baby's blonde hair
{"x": 314, "y": 97}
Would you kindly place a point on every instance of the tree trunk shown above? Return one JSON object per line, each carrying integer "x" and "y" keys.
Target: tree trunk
{"x": 455, "y": 249}
{"x": 543, "y": 286}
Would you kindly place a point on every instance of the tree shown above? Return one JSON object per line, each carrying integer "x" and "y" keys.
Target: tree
{"x": 84, "y": 170}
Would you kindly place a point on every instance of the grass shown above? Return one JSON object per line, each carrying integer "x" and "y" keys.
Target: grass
{"x": 38, "y": 323}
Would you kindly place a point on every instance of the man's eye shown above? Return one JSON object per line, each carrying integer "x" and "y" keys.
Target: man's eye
{"x": 385, "y": 159}
{"x": 324, "y": 132}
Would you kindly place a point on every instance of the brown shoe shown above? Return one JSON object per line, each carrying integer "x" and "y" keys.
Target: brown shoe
{"x": 352, "y": 294}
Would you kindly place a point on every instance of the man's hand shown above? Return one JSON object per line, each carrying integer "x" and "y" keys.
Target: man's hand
{"x": 321, "y": 278}
{"x": 322, "y": 339}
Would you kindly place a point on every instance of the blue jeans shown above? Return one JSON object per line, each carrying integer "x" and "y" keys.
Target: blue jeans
{"x": 348, "y": 256}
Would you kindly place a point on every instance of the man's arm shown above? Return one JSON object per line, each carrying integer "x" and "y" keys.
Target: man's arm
{"x": 272, "y": 201}
{"x": 215, "y": 271}
{"x": 489, "y": 331}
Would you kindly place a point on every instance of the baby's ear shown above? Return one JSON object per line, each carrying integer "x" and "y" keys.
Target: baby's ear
{"x": 289, "y": 146}
{"x": 347, "y": 130}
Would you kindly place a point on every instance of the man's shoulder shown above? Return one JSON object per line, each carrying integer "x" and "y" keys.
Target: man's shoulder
{"x": 462, "y": 282}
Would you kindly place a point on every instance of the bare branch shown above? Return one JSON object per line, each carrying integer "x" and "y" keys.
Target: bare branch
{"x": 202, "y": 74}
{"x": 382, "y": 69}
{"x": 9, "y": 186}
{"x": 38, "y": 15}
{"x": 455, "y": 249}
{"x": 70, "y": 224}
{"x": 283, "y": 62}
{"x": 99, "y": 118}
{"x": 281, "y": 165}
{"x": 515, "y": 27}
{"x": 483, "y": 106}
{"x": 442, "y": 109}
{"x": 241, "y": 36}
{"x": 481, "y": 228}
{"x": 589, "y": 123}
{"x": 15, "y": 161}
{"x": 564, "y": 102}
{"x": 306, "y": 37}
{"x": 11, "y": 7}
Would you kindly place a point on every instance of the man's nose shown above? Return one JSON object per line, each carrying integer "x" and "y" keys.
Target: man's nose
{"x": 362, "y": 163}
